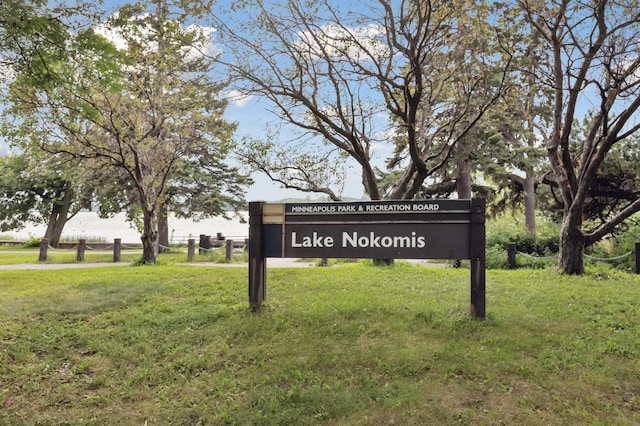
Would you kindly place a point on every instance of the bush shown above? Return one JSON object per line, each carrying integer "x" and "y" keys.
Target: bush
{"x": 504, "y": 230}
{"x": 33, "y": 242}
{"x": 538, "y": 251}
{"x": 496, "y": 258}
{"x": 619, "y": 248}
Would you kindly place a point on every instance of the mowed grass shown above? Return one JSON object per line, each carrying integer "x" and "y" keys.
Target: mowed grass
{"x": 349, "y": 345}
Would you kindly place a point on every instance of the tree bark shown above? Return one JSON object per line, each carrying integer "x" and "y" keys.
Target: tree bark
{"x": 149, "y": 236}
{"x": 52, "y": 221}
{"x": 58, "y": 227}
{"x": 530, "y": 202}
{"x": 163, "y": 228}
{"x": 59, "y": 216}
{"x": 463, "y": 180}
{"x": 572, "y": 244}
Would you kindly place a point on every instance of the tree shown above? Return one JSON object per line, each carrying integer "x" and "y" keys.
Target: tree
{"x": 141, "y": 108}
{"x": 50, "y": 189}
{"x": 203, "y": 185}
{"x": 475, "y": 34}
{"x": 329, "y": 70}
{"x": 614, "y": 186}
{"x": 517, "y": 163}
{"x": 33, "y": 34}
{"x": 594, "y": 61}
{"x": 33, "y": 192}
{"x": 33, "y": 37}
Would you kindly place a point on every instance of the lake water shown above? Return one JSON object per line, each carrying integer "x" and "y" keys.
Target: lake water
{"x": 89, "y": 225}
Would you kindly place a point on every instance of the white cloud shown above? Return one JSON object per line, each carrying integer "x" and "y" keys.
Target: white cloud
{"x": 238, "y": 98}
{"x": 380, "y": 148}
{"x": 359, "y": 43}
{"x": 7, "y": 73}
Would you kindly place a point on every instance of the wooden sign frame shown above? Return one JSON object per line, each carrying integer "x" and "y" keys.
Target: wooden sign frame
{"x": 416, "y": 229}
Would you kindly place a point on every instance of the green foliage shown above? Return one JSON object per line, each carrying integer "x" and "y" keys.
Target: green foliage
{"x": 32, "y": 242}
{"x": 37, "y": 187}
{"x": 24, "y": 192}
{"x": 348, "y": 345}
{"x": 63, "y": 256}
{"x": 87, "y": 238}
{"x": 620, "y": 247}
{"x": 539, "y": 250}
{"x": 26, "y": 27}
{"x": 509, "y": 229}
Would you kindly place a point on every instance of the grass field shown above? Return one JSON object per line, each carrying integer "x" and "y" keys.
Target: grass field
{"x": 349, "y": 345}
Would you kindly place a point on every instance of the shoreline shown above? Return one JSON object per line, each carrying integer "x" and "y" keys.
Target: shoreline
{"x": 90, "y": 226}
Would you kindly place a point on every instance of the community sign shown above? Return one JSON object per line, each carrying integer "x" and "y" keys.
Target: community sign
{"x": 417, "y": 229}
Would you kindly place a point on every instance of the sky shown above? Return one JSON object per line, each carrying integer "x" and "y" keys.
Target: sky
{"x": 252, "y": 119}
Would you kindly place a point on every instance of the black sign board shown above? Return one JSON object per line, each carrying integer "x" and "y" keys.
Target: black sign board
{"x": 423, "y": 229}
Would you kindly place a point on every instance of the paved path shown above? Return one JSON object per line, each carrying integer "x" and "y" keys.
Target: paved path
{"x": 58, "y": 265}
{"x": 271, "y": 263}
{"x": 276, "y": 263}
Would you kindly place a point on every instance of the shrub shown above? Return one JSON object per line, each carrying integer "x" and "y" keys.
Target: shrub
{"x": 496, "y": 258}
{"x": 33, "y": 242}
{"x": 504, "y": 230}
{"x": 617, "y": 246}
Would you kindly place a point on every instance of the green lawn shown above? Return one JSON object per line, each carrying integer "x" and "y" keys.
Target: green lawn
{"x": 349, "y": 345}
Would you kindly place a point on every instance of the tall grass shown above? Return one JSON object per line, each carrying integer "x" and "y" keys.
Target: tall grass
{"x": 87, "y": 238}
{"x": 348, "y": 345}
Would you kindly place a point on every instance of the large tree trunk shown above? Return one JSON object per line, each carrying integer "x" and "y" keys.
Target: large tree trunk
{"x": 163, "y": 229}
{"x": 530, "y": 202}
{"x": 59, "y": 217}
{"x": 51, "y": 224}
{"x": 149, "y": 236}
{"x": 58, "y": 227}
{"x": 463, "y": 180}
{"x": 572, "y": 243}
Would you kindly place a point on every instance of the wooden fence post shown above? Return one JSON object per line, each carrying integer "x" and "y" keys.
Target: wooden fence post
{"x": 82, "y": 244}
{"x": 191, "y": 249}
{"x": 44, "y": 245}
{"x": 637, "y": 247}
{"x": 206, "y": 244}
{"x": 229, "y": 252}
{"x": 511, "y": 255}
{"x": 201, "y": 244}
{"x": 117, "y": 248}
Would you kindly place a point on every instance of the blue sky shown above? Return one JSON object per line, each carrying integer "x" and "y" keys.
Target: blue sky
{"x": 252, "y": 119}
